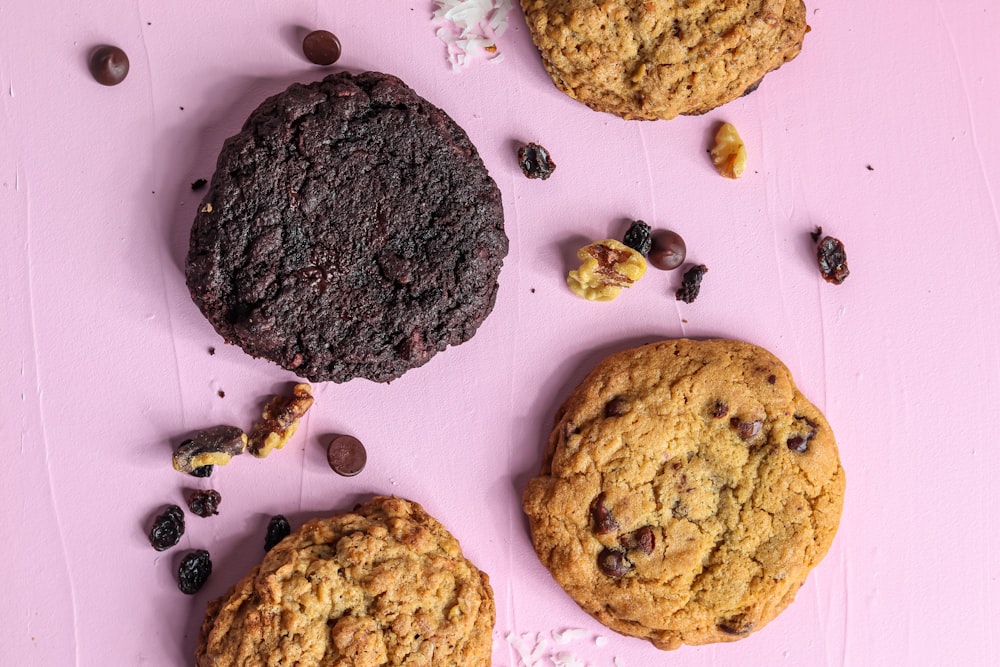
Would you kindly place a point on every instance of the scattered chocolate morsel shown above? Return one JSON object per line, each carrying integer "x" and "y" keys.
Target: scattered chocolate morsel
{"x": 772, "y": 378}
{"x": 535, "y": 161}
{"x": 691, "y": 285}
{"x": 613, "y": 563}
{"x": 321, "y": 47}
{"x": 617, "y": 407}
{"x": 346, "y": 455}
{"x": 832, "y": 260}
{"x": 816, "y": 234}
{"x": 600, "y": 514}
{"x": 108, "y": 65}
{"x": 168, "y": 527}
{"x": 869, "y": 167}
{"x": 278, "y": 529}
{"x": 720, "y": 410}
{"x": 638, "y": 238}
{"x": 194, "y": 571}
{"x": 202, "y": 471}
{"x": 211, "y": 351}
{"x": 221, "y": 393}
{"x": 799, "y": 444}
{"x": 643, "y": 539}
{"x": 746, "y": 430}
{"x": 668, "y": 250}
{"x": 204, "y": 503}
{"x": 198, "y": 185}
{"x": 213, "y": 446}
{"x": 737, "y": 625}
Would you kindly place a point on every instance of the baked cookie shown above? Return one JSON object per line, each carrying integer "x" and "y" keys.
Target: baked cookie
{"x": 687, "y": 490}
{"x": 648, "y": 59}
{"x": 350, "y": 230}
{"x": 385, "y": 584}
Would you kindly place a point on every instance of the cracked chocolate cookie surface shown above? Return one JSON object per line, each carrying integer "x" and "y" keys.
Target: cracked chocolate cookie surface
{"x": 385, "y": 584}
{"x": 687, "y": 489}
{"x": 648, "y": 59}
{"x": 350, "y": 230}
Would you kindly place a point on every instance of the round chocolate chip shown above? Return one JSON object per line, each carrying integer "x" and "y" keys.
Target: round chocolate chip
{"x": 346, "y": 455}
{"x": 613, "y": 563}
{"x": 108, "y": 65}
{"x": 321, "y": 47}
{"x": 668, "y": 250}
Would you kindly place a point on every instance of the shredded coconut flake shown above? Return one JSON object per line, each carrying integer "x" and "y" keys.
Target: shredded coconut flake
{"x": 566, "y": 659}
{"x": 600, "y": 641}
{"x": 568, "y": 635}
{"x": 470, "y": 28}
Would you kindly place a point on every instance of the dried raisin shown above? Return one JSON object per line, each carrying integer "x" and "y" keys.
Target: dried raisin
{"x": 202, "y": 471}
{"x": 638, "y": 238}
{"x": 832, "y": 260}
{"x": 691, "y": 284}
{"x": 194, "y": 571}
{"x": 535, "y": 161}
{"x": 204, "y": 503}
{"x": 167, "y": 528}
{"x": 278, "y": 529}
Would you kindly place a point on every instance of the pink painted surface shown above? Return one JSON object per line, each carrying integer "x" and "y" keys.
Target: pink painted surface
{"x": 105, "y": 359}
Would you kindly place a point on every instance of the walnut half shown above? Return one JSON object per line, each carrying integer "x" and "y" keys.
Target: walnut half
{"x": 607, "y": 266}
{"x": 729, "y": 154}
{"x": 279, "y": 420}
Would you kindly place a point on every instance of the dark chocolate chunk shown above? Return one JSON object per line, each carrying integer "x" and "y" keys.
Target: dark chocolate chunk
{"x": 321, "y": 47}
{"x": 746, "y": 429}
{"x": 613, "y": 563}
{"x": 668, "y": 250}
{"x": 346, "y": 455}
{"x": 643, "y": 539}
{"x": 736, "y": 625}
{"x": 617, "y": 407}
{"x": 108, "y": 65}
{"x": 601, "y": 518}
{"x": 720, "y": 410}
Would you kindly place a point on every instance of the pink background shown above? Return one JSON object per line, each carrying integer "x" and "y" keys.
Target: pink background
{"x": 105, "y": 362}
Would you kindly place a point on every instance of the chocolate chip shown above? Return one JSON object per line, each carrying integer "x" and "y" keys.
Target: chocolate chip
{"x": 617, "y": 407}
{"x": 600, "y": 514}
{"x": 720, "y": 410}
{"x": 643, "y": 539}
{"x": 736, "y": 625}
{"x": 613, "y": 563}
{"x": 798, "y": 444}
{"x": 108, "y": 65}
{"x": 668, "y": 250}
{"x": 746, "y": 430}
{"x": 772, "y": 378}
{"x": 346, "y": 455}
{"x": 321, "y": 47}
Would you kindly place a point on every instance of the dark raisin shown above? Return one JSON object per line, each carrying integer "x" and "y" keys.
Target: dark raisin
{"x": 617, "y": 407}
{"x": 278, "y": 529}
{"x": 720, "y": 410}
{"x": 832, "y": 260}
{"x": 193, "y": 571}
{"x": 167, "y": 528}
{"x": 535, "y": 161}
{"x": 668, "y": 251}
{"x": 638, "y": 238}
{"x": 643, "y": 539}
{"x": 613, "y": 563}
{"x": 203, "y": 471}
{"x": 204, "y": 503}
{"x": 746, "y": 430}
{"x": 198, "y": 185}
{"x": 691, "y": 285}
{"x": 211, "y": 351}
{"x": 736, "y": 625}
{"x": 600, "y": 514}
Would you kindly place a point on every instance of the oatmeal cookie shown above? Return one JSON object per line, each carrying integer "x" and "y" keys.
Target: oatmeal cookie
{"x": 687, "y": 490}
{"x": 649, "y": 59}
{"x": 350, "y": 230}
{"x": 385, "y": 584}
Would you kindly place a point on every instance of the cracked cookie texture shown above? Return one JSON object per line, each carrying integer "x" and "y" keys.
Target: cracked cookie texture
{"x": 385, "y": 584}
{"x": 350, "y": 230}
{"x": 686, "y": 491}
{"x": 649, "y": 59}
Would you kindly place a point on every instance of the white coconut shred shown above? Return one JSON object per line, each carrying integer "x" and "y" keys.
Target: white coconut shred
{"x": 470, "y": 28}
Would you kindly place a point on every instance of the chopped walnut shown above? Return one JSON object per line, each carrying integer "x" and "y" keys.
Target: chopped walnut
{"x": 211, "y": 447}
{"x": 279, "y": 421}
{"x": 729, "y": 154}
{"x": 607, "y": 266}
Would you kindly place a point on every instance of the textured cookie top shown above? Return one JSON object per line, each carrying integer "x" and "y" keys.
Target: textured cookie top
{"x": 350, "y": 230}
{"x": 648, "y": 59}
{"x": 385, "y": 584}
{"x": 687, "y": 490}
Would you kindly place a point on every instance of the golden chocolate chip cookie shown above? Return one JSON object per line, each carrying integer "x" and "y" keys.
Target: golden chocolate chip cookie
{"x": 687, "y": 490}
{"x": 648, "y": 59}
{"x": 385, "y": 584}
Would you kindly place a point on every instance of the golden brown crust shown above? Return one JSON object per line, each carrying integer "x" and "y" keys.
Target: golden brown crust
{"x": 687, "y": 490}
{"x": 649, "y": 59}
{"x": 385, "y": 584}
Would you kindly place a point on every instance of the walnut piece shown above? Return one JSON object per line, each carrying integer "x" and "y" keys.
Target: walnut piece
{"x": 213, "y": 446}
{"x": 279, "y": 420}
{"x": 607, "y": 266}
{"x": 729, "y": 154}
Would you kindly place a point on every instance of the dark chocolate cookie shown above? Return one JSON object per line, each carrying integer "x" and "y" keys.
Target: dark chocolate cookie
{"x": 350, "y": 230}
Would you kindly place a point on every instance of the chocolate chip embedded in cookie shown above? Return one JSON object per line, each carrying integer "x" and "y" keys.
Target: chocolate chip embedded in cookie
{"x": 350, "y": 230}
{"x": 648, "y": 59}
{"x": 385, "y": 584}
{"x": 687, "y": 490}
